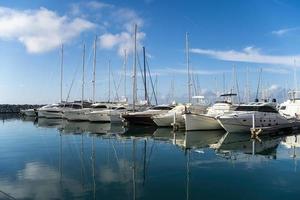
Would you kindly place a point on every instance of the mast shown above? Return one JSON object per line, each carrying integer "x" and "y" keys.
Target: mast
{"x": 94, "y": 66}
{"x": 188, "y": 65}
{"x": 295, "y": 76}
{"x": 145, "y": 76}
{"x": 134, "y": 95}
{"x": 61, "y": 72}
{"x": 108, "y": 80}
{"x": 125, "y": 66}
{"x": 82, "y": 89}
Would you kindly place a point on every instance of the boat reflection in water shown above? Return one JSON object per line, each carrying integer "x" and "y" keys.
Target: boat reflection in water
{"x": 233, "y": 145}
{"x": 69, "y": 162}
{"x": 72, "y": 127}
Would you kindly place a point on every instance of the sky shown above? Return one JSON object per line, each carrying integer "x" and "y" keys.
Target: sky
{"x": 229, "y": 41}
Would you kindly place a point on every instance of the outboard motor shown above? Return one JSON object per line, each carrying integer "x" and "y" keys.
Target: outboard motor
{"x": 274, "y": 101}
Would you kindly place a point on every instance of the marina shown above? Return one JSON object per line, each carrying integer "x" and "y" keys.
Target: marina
{"x": 148, "y": 99}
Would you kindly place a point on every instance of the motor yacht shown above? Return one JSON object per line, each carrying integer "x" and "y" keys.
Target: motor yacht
{"x": 199, "y": 121}
{"x": 109, "y": 114}
{"x": 166, "y": 119}
{"x": 82, "y": 114}
{"x": 29, "y": 112}
{"x": 145, "y": 117}
{"x": 291, "y": 107}
{"x": 241, "y": 119}
{"x": 53, "y": 111}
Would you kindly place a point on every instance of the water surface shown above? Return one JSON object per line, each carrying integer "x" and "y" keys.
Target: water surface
{"x": 56, "y": 159}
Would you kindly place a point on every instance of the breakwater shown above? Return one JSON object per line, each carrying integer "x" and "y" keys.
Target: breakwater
{"x": 16, "y": 108}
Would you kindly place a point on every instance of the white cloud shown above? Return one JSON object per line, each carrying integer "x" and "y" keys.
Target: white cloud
{"x": 121, "y": 41}
{"x": 250, "y": 55}
{"x": 40, "y": 30}
{"x": 124, "y": 18}
{"x": 281, "y": 32}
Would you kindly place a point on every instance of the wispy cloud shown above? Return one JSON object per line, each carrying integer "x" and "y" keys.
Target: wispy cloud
{"x": 172, "y": 71}
{"x": 40, "y": 30}
{"x": 284, "y": 31}
{"x": 250, "y": 55}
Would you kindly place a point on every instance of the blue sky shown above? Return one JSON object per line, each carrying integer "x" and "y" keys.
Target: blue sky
{"x": 223, "y": 34}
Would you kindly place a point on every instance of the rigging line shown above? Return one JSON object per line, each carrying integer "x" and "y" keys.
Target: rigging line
{"x": 114, "y": 82}
{"x": 6, "y": 195}
{"x": 259, "y": 82}
{"x": 152, "y": 85}
{"x": 237, "y": 85}
{"x": 72, "y": 83}
{"x": 139, "y": 64}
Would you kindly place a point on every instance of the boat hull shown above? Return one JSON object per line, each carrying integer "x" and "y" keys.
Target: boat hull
{"x": 167, "y": 120}
{"x": 104, "y": 117}
{"x": 29, "y": 112}
{"x": 77, "y": 115}
{"x": 139, "y": 119}
{"x": 200, "y": 122}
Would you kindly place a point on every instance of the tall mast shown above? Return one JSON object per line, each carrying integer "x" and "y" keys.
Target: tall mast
{"x": 145, "y": 76}
{"x": 295, "y": 76}
{"x": 188, "y": 65}
{"x": 61, "y": 72}
{"x": 108, "y": 80}
{"x": 94, "y": 66}
{"x": 83, "y": 63}
{"x": 134, "y": 95}
{"x": 125, "y": 66}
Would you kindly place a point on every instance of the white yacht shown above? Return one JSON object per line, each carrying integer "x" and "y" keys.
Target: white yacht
{"x": 199, "y": 121}
{"x": 145, "y": 117}
{"x": 166, "y": 119}
{"x": 29, "y": 112}
{"x": 82, "y": 114}
{"x": 53, "y": 111}
{"x": 241, "y": 119}
{"x": 108, "y": 114}
{"x": 291, "y": 107}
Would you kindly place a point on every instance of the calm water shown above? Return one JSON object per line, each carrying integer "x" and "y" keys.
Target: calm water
{"x": 54, "y": 159}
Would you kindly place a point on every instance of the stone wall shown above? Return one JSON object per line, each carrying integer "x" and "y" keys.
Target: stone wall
{"x": 11, "y": 108}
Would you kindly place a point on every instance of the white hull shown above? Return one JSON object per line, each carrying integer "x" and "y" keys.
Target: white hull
{"x": 29, "y": 112}
{"x": 167, "y": 119}
{"x": 200, "y": 122}
{"x": 105, "y": 117}
{"x": 243, "y": 122}
{"x": 77, "y": 115}
{"x": 50, "y": 115}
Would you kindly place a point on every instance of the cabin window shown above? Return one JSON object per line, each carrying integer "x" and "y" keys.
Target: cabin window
{"x": 282, "y": 108}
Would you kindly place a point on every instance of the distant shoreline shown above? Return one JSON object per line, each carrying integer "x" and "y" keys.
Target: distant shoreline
{"x": 16, "y": 108}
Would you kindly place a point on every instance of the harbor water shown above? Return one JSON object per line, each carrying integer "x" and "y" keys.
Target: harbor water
{"x": 57, "y": 159}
